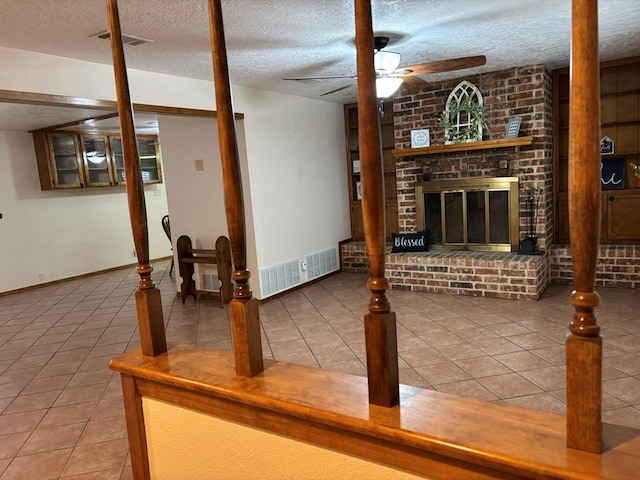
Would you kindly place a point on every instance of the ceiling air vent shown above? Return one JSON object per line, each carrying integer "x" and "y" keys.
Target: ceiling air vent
{"x": 126, "y": 39}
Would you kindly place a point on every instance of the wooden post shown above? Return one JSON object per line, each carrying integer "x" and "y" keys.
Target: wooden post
{"x": 380, "y": 322}
{"x": 148, "y": 301}
{"x": 243, "y": 309}
{"x": 584, "y": 343}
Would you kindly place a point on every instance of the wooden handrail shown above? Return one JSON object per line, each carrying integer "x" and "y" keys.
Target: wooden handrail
{"x": 380, "y": 322}
{"x": 243, "y": 309}
{"x": 148, "y": 301}
{"x": 584, "y": 343}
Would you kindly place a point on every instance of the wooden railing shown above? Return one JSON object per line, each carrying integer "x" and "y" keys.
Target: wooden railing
{"x": 584, "y": 344}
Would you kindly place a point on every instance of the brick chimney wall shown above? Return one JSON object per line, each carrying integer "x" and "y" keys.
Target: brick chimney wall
{"x": 520, "y": 91}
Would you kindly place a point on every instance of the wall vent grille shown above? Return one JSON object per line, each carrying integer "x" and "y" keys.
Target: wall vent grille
{"x": 322, "y": 263}
{"x": 210, "y": 282}
{"x": 279, "y": 277}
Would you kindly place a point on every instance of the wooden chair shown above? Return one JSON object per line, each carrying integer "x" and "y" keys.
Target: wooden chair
{"x": 166, "y": 226}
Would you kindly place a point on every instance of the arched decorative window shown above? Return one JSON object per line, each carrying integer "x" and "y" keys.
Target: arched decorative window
{"x": 464, "y": 115}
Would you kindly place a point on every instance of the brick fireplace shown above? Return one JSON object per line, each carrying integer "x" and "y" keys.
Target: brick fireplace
{"x": 524, "y": 92}
{"x": 517, "y": 92}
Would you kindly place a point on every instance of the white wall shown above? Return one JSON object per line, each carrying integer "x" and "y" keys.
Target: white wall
{"x": 297, "y": 200}
{"x": 62, "y": 233}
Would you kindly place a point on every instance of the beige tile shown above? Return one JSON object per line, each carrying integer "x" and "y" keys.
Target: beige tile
{"x": 626, "y": 416}
{"x": 445, "y": 372}
{"x": 530, "y": 341}
{"x": 45, "y": 439}
{"x": 626, "y": 389}
{"x": 509, "y": 385}
{"x": 547, "y": 378}
{"x": 79, "y": 412}
{"x": 467, "y": 388}
{"x": 80, "y": 394}
{"x": 628, "y": 363}
{"x": 519, "y": 361}
{"x": 496, "y": 346}
{"x": 96, "y": 457}
{"x": 482, "y": 367}
{"x": 108, "y": 407}
{"x": 41, "y": 466}
{"x": 20, "y": 422}
{"x": 11, "y": 444}
{"x": 104, "y": 429}
{"x": 423, "y": 356}
{"x": 47, "y": 384}
{"x": 460, "y": 352}
{"x": 110, "y": 474}
{"x": 34, "y": 401}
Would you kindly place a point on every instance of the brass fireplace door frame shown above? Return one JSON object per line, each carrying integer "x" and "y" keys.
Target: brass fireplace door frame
{"x": 509, "y": 184}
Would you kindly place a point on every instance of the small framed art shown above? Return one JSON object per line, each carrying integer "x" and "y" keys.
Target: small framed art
{"x": 513, "y": 127}
{"x": 420, "y": 138}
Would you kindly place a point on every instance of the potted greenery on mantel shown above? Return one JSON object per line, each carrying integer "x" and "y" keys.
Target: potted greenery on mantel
{"x": 464, "y": 116}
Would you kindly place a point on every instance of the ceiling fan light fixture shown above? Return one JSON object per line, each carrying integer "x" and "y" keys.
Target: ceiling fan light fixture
{"x": 386, "y": 62}
{"x": 387, "y": 86}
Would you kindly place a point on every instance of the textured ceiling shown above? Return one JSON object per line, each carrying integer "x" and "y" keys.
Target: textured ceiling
{"x": 268, "y": 40}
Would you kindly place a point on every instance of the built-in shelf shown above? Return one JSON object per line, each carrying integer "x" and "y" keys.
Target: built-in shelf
{"x": 461, "y": 147}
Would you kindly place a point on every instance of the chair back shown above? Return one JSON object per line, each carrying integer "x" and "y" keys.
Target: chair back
{"x": 166, "y": 226}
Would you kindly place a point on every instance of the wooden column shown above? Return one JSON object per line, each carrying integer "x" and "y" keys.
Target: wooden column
{"x": 243, "y": 309}
{"x": 380, "y": 322}
{"x": 584, "y": 343}
{"x": 148, "y": 302}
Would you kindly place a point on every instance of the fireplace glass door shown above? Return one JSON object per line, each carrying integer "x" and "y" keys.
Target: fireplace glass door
{"x": 473, "y": 214}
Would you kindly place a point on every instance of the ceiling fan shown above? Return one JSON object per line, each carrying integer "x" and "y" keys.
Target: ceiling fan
{"x": 389, "y": 76}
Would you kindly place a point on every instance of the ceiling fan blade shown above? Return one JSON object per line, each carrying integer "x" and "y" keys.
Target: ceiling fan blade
{"x": 330, "y": 77}
{"x": 413, "y": 84}
{"x": 441, "y": 66}
{"x": 336, "y": 90}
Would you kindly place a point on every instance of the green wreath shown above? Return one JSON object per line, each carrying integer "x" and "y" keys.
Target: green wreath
{"x": 471, "y": 133}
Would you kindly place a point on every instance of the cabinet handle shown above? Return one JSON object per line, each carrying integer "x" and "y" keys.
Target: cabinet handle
{"x": 611, "y": 198}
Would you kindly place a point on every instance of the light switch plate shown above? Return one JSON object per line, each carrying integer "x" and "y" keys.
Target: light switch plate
{"x": 199, "y": 165}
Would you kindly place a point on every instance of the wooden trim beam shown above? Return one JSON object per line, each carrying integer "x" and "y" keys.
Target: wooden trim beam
{"x": 30, "y": 98}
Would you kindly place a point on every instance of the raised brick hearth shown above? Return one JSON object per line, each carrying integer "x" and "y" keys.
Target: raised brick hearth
{"x": 486, "y": 274}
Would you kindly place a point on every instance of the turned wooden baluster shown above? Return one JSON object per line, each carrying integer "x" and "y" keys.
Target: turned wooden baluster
{"x": 243, "y": 309}
{"x": 380, "y": 322}
{"x": 584, "y": 343}
{"x": 148, "y": 302}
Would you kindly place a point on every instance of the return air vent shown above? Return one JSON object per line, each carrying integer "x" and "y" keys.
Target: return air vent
{"x": 126, "y": 39}
{"x": 210, "y": 282}
{"x": 279, "y": 277}
{"x": 322, "y": 263}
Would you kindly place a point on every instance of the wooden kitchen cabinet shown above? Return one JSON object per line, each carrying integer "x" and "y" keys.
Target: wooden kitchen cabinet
{"x": 77, "y": 160}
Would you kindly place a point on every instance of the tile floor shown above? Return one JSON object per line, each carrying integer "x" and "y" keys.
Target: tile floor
{"x": 61, "y": 412}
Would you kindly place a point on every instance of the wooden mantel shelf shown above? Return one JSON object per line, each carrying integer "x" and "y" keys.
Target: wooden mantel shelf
{"x": 461, "y": 147}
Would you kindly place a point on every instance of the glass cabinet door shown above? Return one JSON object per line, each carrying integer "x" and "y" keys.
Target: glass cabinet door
{"x": 96, "y": 164}
{"x": 66, "y": 161}
{"x": 118, "y": 161}
{"x": 149, "y": 160}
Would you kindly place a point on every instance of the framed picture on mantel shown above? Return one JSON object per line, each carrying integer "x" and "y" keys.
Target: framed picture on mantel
{"x": 513, "y": 127}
